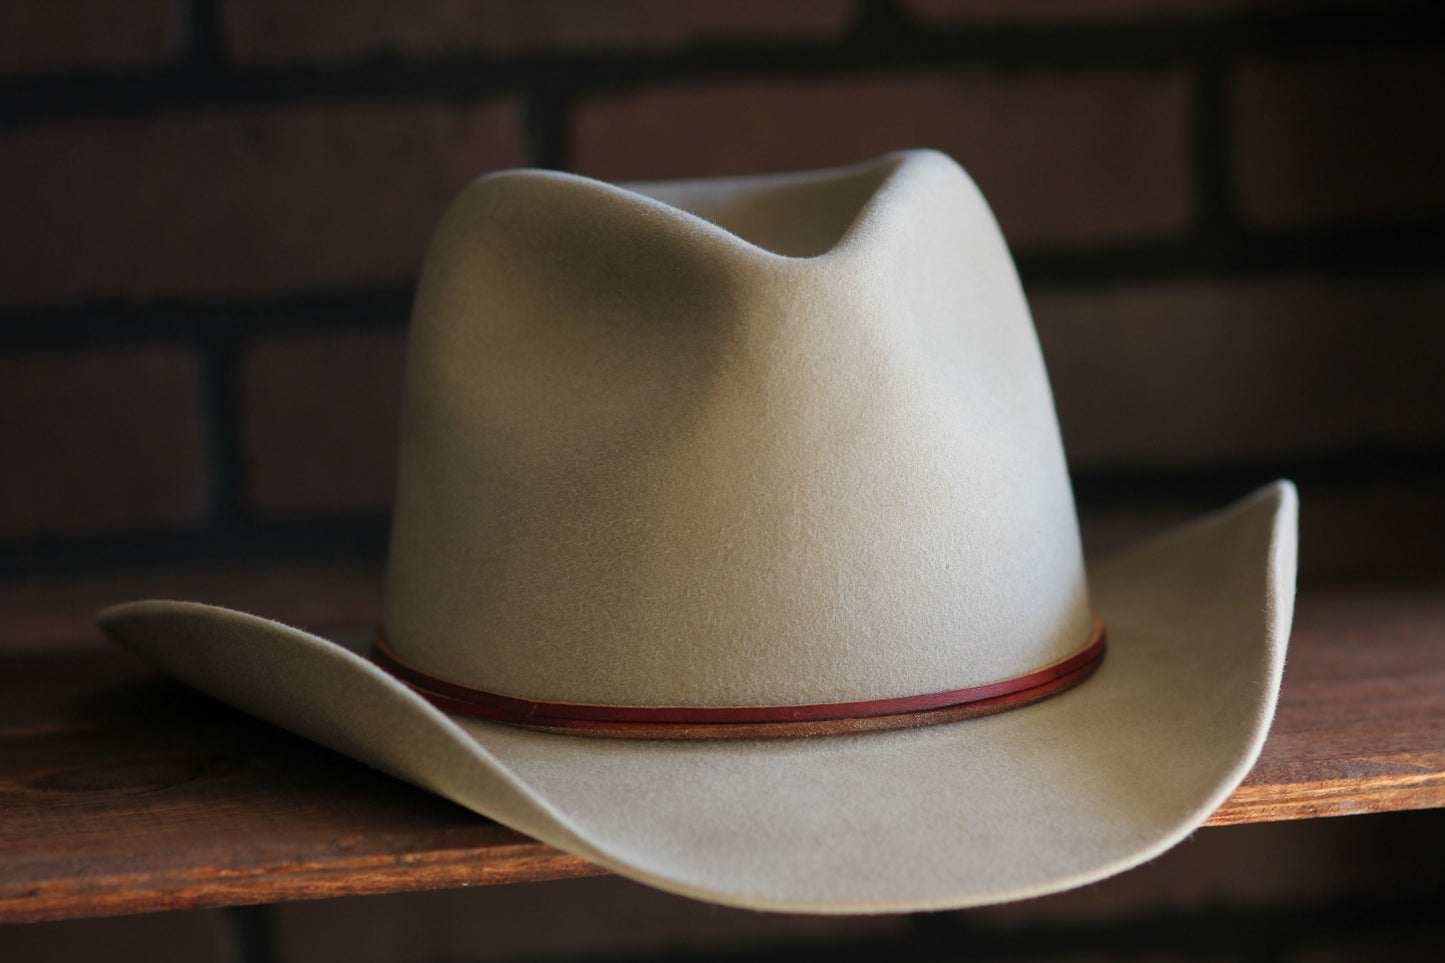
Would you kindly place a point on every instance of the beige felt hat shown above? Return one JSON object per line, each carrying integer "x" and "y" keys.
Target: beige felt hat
{"x": 699, "y": 483}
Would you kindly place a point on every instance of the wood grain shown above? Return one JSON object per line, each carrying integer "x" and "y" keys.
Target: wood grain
{"x": 1361, "y": 719}
{"x": 122, "y": 792}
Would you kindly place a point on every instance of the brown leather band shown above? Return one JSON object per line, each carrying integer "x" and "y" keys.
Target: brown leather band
{"x": 748, "y": 722}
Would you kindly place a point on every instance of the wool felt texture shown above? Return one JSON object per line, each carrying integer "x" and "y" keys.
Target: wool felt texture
{"x": 646, "y": 459}
{"x": 770, "y": 441}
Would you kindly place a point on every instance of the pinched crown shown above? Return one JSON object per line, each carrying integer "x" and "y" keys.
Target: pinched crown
{"x": 748, "y": 441}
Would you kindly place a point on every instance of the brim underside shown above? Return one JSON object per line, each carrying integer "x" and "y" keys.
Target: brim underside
{"x": 1054, "y": 795}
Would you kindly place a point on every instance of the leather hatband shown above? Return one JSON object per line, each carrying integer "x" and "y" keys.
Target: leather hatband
{"x": 748, "y": 722}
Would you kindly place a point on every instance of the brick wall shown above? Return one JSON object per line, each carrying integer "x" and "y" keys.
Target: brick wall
{"x": 1229, "y": 216}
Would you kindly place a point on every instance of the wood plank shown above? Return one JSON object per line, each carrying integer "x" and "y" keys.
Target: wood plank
{"x": 1361, "y": 720}
{"x": 123, "y": 792}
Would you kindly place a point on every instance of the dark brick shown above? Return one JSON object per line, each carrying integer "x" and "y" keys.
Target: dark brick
{"x": 57, "y": 611}
{"x": 955, "y": 12}
{"x": 1385, "y": 529}
{"x": 239, "y": 203}
{"x": 605, "y": 917}
{"x": 1389, "y": 528}
{"x": 1291, "y": 864}
{"x": 319, "y": 418}
{"x": 50, "y": 35}
{"x": 202, "y": 936}
{"x": 100, "y": 440}
{"x": 1192, "y": 372}
{"x": 948, "y": 13}
{"x": 1329, "y": 137}
{"x": 1418, "y": 943}
{"x": 335, "y": 29}
{"x": 1100, "y": 155}
{"x": 1381, "y": 529}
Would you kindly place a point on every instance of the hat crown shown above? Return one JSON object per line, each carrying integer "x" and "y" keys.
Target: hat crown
{"x": 751, "y": 441}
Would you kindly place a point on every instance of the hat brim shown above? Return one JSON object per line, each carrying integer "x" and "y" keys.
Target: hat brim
{"x": 1032, "y": 801}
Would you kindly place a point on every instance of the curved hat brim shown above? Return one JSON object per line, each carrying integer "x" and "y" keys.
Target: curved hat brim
{"x": 1060, "y": 793}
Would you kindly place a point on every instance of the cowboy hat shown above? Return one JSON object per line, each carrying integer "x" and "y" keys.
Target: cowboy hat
{"x": 734, "y": 549}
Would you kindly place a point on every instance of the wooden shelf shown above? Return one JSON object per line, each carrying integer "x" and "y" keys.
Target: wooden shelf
{"x": 121, "y": 792}
{"x": 1361, "y": 721}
